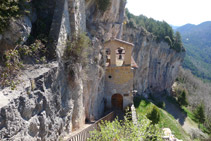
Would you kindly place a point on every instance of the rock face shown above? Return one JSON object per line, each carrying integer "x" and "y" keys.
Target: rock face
{"x": 158, "y": 64}
{"x": 19, "y": 29}
{"x": 54, "y": 102}
{"x": 54, "y": 99}
{"x": 39, "y": 105}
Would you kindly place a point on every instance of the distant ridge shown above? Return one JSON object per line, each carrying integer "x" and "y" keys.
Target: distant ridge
{"x": 174, "y": 27}
{"x": 197, "y": 42}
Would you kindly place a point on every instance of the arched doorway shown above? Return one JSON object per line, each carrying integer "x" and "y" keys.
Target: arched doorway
{"x": 117, "y": 101}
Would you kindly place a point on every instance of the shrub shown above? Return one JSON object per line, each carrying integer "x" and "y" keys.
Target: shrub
{"x": 10, "y": 9}
{"x": 77, "y": 48}
{"x": 199, "y": 113}
{"x": 126, "y": 130}
{"x": 161, "y": 104}
{"x": 103, "y": 5}
{"x": 182, "y": 98}
{"x": 131, "y": 24}
{"x": 154, "y": 115}
{"x": 12, "y": 64}
{"x": 12, "y": 61}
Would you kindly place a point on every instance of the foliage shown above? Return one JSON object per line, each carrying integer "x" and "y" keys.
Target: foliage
{"x": 36, "y": 50}
{"x": 154, "y": 115}
{"x": 10, "y": 9}
{"x": 207, "y": 124}
{"x": 77, "y": 48}
{"x": 177, "y": 45}
{"x": 13, "y": 61}
{"x": 143, "y": 107}
{"x": 199, "y": 113}
{"x": 182, "y": 98}
{"x": 126, "y": 130}
{"x": 132, "y": 24}
{"x": 160, "y": 104}
{"x": 103, "y": 5}
{"x": 12, "y": 65}
{"x": 198, "y": 91}
{"x": 205, "y": 127}
{"x": 161, "y": 30}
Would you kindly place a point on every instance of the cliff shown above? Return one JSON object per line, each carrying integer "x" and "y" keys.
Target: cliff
{"x": 54, "y": 99}
{"x": 158, "y": 64}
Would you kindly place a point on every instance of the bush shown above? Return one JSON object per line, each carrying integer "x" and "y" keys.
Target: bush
{"x": 154, "y": 115}
{"x": 199, "y": 113}
{"x": 182, "y": 99}
{"x": 103, "y": 5}
{"x": 131, "y": 24}
{"x": 12, "y": 62}
{"x": 161, "y": 104}
{"x": 126, "y": 131}
{"x": 10, "y": 9}
{"x": 77, "y": 48}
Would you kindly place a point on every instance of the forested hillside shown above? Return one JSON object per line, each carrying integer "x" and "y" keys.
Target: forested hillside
{"x": 162, "y": 31}
{"x": 197, "y": 42}
{"x": 197, "y": 96}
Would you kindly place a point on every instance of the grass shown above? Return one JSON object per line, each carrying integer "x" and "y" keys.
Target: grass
{"x": 166, "y": 120}
{"x": 192, "y": 117}
{"x": 189, "y": 113}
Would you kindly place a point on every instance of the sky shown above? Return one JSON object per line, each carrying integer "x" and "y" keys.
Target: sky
{"x": 174, "y": 12}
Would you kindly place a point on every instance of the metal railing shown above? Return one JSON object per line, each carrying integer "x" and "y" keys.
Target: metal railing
{"x": 85, "y": 134}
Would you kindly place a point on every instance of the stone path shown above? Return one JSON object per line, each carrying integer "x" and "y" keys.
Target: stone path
{"x": 134, "y": 117}
{"x": 188, "y": 125}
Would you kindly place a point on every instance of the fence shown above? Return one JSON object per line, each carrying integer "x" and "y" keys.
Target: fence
{"x": 84, "y": 134}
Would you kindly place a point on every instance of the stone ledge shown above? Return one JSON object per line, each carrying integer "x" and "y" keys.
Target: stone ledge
{"x": 25, "y": 79}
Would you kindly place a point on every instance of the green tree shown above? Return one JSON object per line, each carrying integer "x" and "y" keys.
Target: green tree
{"x": 200, "y": 113}
{"x": 182, "y": 98}
{"x": 154, "y": 115}
{"x": 161, "y": 30}
{"x": 177, "y": 42}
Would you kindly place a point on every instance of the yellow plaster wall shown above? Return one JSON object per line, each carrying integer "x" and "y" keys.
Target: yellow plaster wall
{"x": 113, "y": 45}
{"x": 120, "y": 75}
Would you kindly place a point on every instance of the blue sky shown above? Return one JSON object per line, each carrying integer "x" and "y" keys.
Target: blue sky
{"x": 175, "y": 12}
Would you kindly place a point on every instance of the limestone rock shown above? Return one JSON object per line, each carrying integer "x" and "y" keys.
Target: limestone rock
{"x": 49, "y": 102}
{"x": 19, "y": 30}
{"x": 158, "y": 64}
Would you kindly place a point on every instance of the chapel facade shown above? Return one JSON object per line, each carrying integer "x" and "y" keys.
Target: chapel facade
{"x": 119, "y": 74}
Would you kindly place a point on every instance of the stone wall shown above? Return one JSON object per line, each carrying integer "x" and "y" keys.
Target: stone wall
{"x": 119, "y": 80}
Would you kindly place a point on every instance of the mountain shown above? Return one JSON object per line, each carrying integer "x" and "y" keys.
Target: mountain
{"x": 174, "y": 27}
{"x": 196, "y": 40}
{"x": 55, "y": 81}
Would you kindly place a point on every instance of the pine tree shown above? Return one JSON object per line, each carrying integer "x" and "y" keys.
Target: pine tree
{"x": 200, "y": 113}
{"x": 154, "y": 115}
{"x": 182, "y": 99}
{"x": 177, "y": 42}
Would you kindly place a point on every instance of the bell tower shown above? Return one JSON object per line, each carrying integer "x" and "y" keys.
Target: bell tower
{"x": 119, "y": 74}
